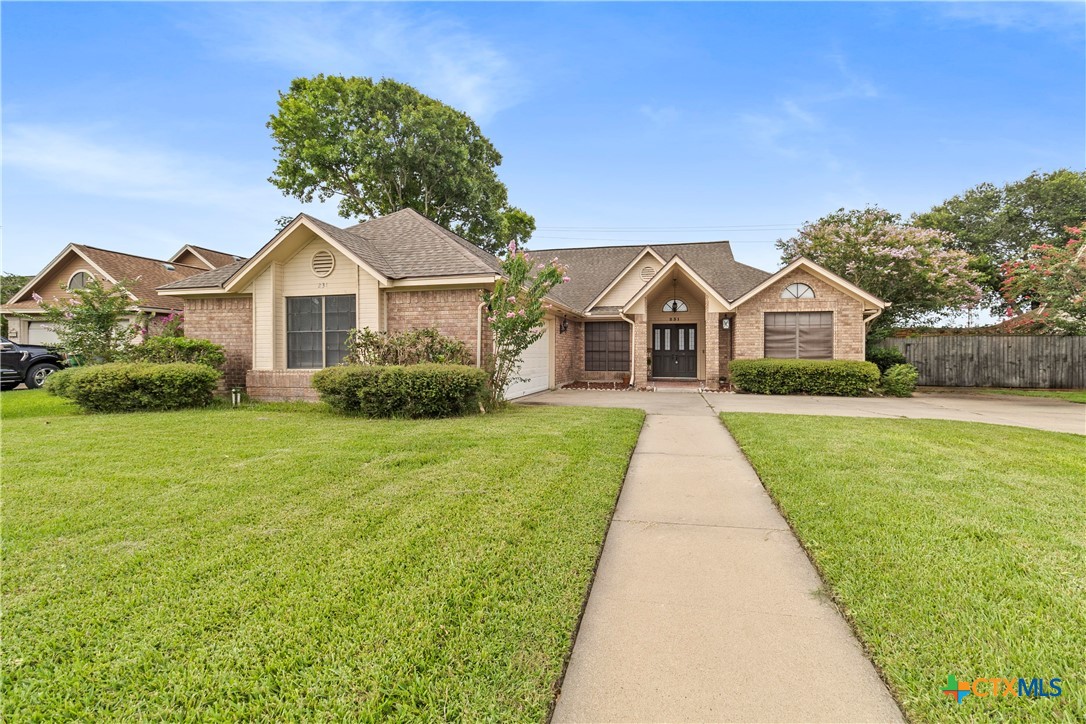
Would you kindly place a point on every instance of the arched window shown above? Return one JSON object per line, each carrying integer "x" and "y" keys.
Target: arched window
{"x": 79, "y": 280}
{"x": 797, "y": 291}
{"x": 675, "y": 305}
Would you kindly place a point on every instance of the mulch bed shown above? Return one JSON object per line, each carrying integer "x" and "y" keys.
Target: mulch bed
{"x": 595, "y": 386}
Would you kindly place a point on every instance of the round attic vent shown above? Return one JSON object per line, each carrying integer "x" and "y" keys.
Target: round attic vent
{"x": 647, "y": 273}
{"x": 323, "y": 263}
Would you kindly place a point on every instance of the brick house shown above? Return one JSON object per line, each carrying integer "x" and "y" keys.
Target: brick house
{"x": 629, "y": 313}
{"x": 77, "y": 264}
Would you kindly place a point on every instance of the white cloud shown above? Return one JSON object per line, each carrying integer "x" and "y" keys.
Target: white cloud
{"x": 431, "y": 51}
{"x": 660, "y": 115}
{"x": 1059, "y": 17}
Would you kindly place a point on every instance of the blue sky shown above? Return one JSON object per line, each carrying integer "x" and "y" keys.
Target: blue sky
{"x": 141, "y": 127}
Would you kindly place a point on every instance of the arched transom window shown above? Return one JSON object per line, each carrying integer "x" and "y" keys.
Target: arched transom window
{"x": 674, "y": 305}
{"x": 797, "y": 291}
{"x": 79, "y": 280}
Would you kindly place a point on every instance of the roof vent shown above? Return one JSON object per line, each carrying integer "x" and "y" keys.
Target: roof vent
{"x": 647, "y": 273}
{"x": 170, "y": 267}
{"x": 323, "y": 263}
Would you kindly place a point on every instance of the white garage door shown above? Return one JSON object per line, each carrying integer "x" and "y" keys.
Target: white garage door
{"x": 41, "y": 333}
{"x": 535, "y": 369}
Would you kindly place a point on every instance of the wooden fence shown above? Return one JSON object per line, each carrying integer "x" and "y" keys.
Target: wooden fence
{"x": 996, "y": 360}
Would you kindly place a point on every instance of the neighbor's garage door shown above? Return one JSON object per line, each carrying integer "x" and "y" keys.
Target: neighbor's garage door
{"x": 40, "y": 333}
{"x": 536, "y": 369}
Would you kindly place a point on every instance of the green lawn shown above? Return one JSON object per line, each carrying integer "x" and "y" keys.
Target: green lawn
{"x": 955, "y": 548}
{"x": 1078, "y": 396}
{"x": 282, "y": 563}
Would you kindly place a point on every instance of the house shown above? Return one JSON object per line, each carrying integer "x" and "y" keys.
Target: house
{"x": 642, "y": 313}
{"x": 78, "y": 263}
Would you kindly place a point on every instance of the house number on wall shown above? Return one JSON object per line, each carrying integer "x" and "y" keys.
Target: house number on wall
{"x": 674, "y": 319}
{"x": 322, "y": 285}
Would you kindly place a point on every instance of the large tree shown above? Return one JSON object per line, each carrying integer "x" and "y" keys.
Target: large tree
{"x": 914, "y": 269}
{"x": 1002, "y": 224}
{"x": 383, "y": 146}
{"x": 1047, "y": 293}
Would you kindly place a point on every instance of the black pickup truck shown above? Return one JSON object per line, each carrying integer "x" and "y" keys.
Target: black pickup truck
{"x": 27, "y": 363}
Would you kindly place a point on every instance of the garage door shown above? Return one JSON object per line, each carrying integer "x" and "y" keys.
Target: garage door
{"x": 41, "y": 333}
{"x": 536, "y": 369}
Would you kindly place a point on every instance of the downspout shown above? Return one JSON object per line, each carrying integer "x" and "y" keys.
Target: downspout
{"x": 633, "y": 347}
{"x": 479, "y": 336}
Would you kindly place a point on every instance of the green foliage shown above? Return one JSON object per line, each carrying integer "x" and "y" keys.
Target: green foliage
{"x": 414, "y": 391}
{"x": 515, "y": 312}
{"x": 802, "y": 376}
{"x": 366, "y": 347}
{"x": 90, "y": 325}
{"x": 9, "y": 284}
{"x": 384, "y": 146}
{"x": 999, "y": 225}
{"x": 163, "y": 350}
{"x": 1048, "y": 292}
{"x": 885, "y": 357}
{"x": 135, "y": 386}
{"x": 914, "y": 269}
{"x": 899, "y": 380}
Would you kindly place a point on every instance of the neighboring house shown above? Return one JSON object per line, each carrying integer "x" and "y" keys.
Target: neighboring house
{"x": 77, "y": 264}
{"x": 643, "y": 313}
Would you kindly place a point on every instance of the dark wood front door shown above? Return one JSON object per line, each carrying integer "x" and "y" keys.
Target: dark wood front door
{"x": 675, "y": 350}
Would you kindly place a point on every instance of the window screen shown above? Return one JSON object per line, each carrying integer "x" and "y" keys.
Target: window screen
{"x": 317, "y": 329}
{"x": 799, "y": 335}
{"x": 607, "y": 346}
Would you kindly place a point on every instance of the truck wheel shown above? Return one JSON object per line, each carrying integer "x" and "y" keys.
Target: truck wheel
{"x": 35, "y": 376}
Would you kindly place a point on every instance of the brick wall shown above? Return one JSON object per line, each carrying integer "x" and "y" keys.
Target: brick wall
{"x": 712, "y": 350}
{"x": 568, "y": 349}
{"x": 227, "y": 321}
{"x": 725, "y": 348}
{"x": 453, "y": 312}
{"x": 849, "y": 334}
{"x": 280, "y": 385}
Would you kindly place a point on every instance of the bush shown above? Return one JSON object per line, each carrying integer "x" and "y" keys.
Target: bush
{"x": 425, "y": 390}
{"x": 418, "y": 346}
{"x": 900, "y": 380}
{"x": 801, "y": 376}
{"x": 133, "y": 386}
{"x": 165, "y": 350}
{"x": 885, "y": 357}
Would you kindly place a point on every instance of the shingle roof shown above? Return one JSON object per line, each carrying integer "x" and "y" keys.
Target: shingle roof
{"x": 210, "y": 279}
{"x": 141, "y": 275}
{"x": 217, "y": 258}
{"x": 592, "y": 269}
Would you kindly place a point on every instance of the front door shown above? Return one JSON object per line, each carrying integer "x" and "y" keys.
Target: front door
{"x": 675, "y": 350}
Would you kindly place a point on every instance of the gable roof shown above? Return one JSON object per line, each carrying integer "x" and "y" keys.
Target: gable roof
{"x": 142, "y": 276}
{"x": 213, "y": 259}
{"x": 592, "y": 269}
{"x": 402, "y": 245}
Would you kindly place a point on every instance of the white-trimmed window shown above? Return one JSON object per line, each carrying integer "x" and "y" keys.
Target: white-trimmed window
{"x": 798, "y": 291}
{"x": 675, "y": 305}
{"x": 79, "y": 280}
{"x": 317, "y": 329}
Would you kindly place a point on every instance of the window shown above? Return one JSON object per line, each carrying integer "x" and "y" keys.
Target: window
{"x": 79, "y": 280}
{"x": 607, "y": 346}
{"x": 317, "y": 329}
{"x": 797, "y": 291}
{"x": 675, "y": 305}
{"x": 799, "y": 335}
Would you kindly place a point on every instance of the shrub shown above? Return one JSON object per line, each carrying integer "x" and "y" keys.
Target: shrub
{"x": 885, "y": 357}
{"x": 132, "y": 386}
{"x": 425, "y": 390}
{"x": 801, "y": 376}
{"x": 900, "y": 380}
{"x": 418, "y": 346}
{"x": 164, "y": 350}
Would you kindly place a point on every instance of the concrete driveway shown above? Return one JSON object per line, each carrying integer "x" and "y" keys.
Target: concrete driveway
{"x": 1037, "y": 412}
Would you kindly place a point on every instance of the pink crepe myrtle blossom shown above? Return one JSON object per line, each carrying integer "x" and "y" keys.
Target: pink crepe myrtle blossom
{"x": 36, "y": 297}
{"x": 510, "y": 315}
{"x": 510, "y": 299}
{"x": 565, "y": 280}
{"x": 521, "y": 313}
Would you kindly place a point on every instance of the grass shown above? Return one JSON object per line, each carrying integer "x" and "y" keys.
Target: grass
{"x": 954, "y": 548}
{"x": 1078, "y": 396}
{"x": 277, "y": 562}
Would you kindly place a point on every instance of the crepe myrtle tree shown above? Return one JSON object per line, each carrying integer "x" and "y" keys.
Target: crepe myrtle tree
{"x": 515, "y": 310}
{"x": 91, "y": 324}
{"x": 1046, "y": 292}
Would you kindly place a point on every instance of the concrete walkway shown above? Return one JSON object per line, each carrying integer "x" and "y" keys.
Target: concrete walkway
{"x": 704, "y": 607}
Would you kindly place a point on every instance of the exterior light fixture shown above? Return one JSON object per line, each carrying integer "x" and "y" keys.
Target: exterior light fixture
{"x": 563, "y": 326}
{"x": 725, "y": 322}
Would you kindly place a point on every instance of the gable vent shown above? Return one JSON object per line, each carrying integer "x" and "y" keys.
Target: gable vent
{"x": 323, "y": 263}
{"x": 647, "y": 273}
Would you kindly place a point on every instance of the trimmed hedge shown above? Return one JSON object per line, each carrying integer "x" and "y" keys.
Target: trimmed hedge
{"x": 885, "y": 357}
{"x": 164, "y": 350}
{"x": 900, "y": 380}
{"x": 802, "y": 376}
{"x": 135, "y": 386}
{"x": 425, "y": 390}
